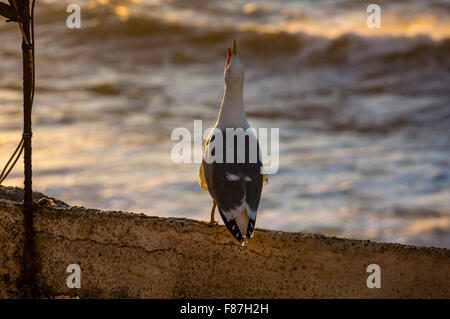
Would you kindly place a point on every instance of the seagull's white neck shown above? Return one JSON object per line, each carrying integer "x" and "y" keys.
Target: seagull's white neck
{"x": 232, "y": 113}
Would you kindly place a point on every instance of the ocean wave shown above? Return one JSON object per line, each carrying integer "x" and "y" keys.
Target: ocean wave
{"x": 185, "y": 44}
{"x": 354, "y": 67}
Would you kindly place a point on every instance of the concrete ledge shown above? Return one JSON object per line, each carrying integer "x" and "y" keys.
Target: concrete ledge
{"x": 125, "y": 255}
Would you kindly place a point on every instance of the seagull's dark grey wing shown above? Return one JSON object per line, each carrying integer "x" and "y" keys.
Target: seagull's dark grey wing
{"x": 236, "y": 188}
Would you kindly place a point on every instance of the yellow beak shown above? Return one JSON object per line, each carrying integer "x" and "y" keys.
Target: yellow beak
{"x": 234, "y": 47}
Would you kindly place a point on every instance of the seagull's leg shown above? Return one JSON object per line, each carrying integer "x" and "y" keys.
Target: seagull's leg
{"x": 212, "y": 221}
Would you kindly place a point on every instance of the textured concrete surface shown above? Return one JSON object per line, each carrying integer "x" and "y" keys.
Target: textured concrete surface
{"x": 125, "y": 255}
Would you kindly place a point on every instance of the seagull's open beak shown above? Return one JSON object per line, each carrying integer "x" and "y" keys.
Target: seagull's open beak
{"x": 232, "y": 52}
{"x": 228, "y": 56}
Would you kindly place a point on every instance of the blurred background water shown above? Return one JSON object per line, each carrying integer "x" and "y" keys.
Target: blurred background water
{"x": 364, "y": 114}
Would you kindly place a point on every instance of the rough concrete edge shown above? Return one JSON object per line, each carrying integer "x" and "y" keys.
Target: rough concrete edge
{"x": 58, "y": 205}
{"x": 52, "y": 210}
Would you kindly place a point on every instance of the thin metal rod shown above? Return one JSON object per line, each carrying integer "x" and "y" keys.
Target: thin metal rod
{"x": 29, "y": 267}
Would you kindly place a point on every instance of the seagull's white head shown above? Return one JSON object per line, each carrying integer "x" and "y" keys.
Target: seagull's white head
{"x": 234, "y": 69}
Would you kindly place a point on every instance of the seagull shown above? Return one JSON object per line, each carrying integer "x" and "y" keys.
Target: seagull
{"x": 235, "y": 186}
